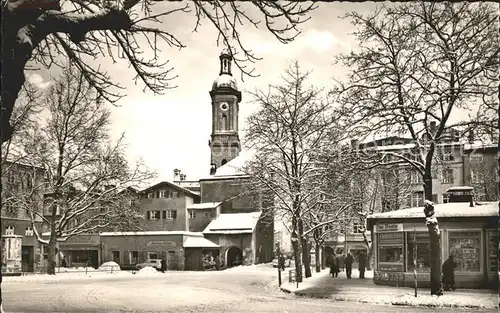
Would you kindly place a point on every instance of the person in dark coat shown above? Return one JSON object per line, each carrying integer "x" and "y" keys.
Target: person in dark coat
{"x": 64, "y": 263}
{"x": 334, "y": 269}
{"x": 163, "y": 266}
{"x": 348, "y": 265}
{"x": 448, "y": 270}
{"x": 362, "y": 265}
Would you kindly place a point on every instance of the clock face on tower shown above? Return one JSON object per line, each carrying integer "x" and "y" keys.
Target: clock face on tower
{"x": 224, "y": 106}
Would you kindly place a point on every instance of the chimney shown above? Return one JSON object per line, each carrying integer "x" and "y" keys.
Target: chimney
{"x": 471, "y": 136}
{"x": 213, "y": 169}
{"x": 177, "y": 172}
{"x": 183, "y": 177}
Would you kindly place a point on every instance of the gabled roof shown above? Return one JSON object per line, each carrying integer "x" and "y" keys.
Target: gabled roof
{"x": 453, "y": 209}
{"x": 233, "y": 223}
{"x": 204, "y": 205}
{"x": 172, "y": 185}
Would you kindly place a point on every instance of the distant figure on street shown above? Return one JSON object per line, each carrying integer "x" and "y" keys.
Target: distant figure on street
{"x": 163, "y": 266}
{"x": 334, "y": 267}
{"x": 217, "y": 263}
{"x": 362, "y": 265}
{"x": 449, "y": 273}
{"x": 64, "y": 263}
{"x": 281, "y": 262}
{"x": 342, "y": 262}
{"x": 348, "y": 265}
{"x": 89, "y": 262}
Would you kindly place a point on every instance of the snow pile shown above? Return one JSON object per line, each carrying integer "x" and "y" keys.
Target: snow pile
{"x": 146, "y": 271}
{"x": 449, "y": 299}
{"x": 109, "y": 267}
{"x": 75, "y": 270}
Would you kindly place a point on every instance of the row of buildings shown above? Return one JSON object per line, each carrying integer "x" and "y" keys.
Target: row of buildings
{"x": 189, "y": 222}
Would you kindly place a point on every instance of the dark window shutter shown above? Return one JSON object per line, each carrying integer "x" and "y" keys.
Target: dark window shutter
{"x": 147, "y": 215}
{"x": 174, "y": 214}
{"x": 164, "y": 215}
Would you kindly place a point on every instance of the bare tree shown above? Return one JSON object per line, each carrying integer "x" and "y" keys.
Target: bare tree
{"x": 288, "y": 131}
{"x": 85, "y": 172}
{"x": 51, "y": 31}
{"x": 418, "y": 64}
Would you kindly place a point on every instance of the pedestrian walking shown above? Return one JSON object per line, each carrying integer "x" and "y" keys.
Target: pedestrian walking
{"x": 342, "y": 262}
{"x": 334, "y": 267}
{"x": 448, "y": 270}
{"x": 64, "y": 263}
{"x": 362, "y": 265}
{"x": 348, "y": 265}
{"x": 163, "y": 266}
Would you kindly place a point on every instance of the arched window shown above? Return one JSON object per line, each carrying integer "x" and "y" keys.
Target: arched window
{"x": 223, "y": 122}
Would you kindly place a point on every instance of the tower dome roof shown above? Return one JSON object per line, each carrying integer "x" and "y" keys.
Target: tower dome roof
{"x": 225, "y": 80}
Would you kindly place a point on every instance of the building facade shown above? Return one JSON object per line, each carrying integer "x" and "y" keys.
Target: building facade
{"x": 21, "y": 251}
{"x": 470, "y": 233}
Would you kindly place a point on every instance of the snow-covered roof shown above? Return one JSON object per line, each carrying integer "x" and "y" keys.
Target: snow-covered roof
{"x": 479, "y": 145}
{"x": 151, "y": 233}
{"x": 454, "y": 209}
{"x": 205, "y": 205}
{"x": 234, "y": 168}
{"x": 460, "y": 188}
{"x": 199, "y": 242}
{"x": 173, "y": 185}
{"x": 235, "y": 223}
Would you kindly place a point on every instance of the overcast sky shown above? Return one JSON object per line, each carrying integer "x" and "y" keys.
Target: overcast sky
{"x": 172, "y": 130}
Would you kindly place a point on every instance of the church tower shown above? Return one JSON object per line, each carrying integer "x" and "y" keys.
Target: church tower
{"x": 225, "y": 141}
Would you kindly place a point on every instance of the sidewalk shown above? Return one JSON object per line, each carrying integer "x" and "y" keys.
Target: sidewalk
{"x": 321, "y": 285}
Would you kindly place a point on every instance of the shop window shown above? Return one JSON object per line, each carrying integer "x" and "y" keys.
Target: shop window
{"x": 466, "y": 247}
{"x": 390, "y": 247}
{"x": 132, "y": 257}
{"x": 388, "y": 254}
{"x": 9, "y": 230}
{"x": 419, "y": 246}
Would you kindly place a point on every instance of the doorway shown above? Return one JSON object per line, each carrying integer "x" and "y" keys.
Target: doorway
{"x": 27, "y": 258}
{"x": 234, "y": 257}
{"x": 171, "y": 260}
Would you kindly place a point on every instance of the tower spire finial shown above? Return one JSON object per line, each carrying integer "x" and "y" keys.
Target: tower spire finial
{"x": 225, "y": 61}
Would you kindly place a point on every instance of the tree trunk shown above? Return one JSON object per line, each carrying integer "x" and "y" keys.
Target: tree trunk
{"x": 370, "y": 251}
{"x": 296, "y": 251}
{"x": 323, "y": 256}
{"x": 317, "y": 257}
{"x": 305, "y": 249}
{"x": 434, "y": 236}
{"x": 51, "y": 269}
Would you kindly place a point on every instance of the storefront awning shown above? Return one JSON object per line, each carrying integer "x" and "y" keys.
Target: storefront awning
{"x": 199, "y": 242}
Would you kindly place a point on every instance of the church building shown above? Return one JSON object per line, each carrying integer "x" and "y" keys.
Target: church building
{"x": 243, "y": 229}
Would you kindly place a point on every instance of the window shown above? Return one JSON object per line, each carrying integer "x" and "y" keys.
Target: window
{"x": 416, "y": 199}
{"x": 476, "y": 158}
{"x": 116, "y": 256}
{"x": 9, "y": 230}
{"x": 169, "y": 214}
{"x": 390, "y": 247}
{"x": 192, "y": 214}
{"x": 447, "y": 176}
{"x": 28, "y": 232}
{"x": 358, "y": 228}
{"x": 492, "y": 244}
{"x": 154, "y": 215}
{"x": 419, "y": 246}
{"x": 448, "y": 153}
{"x": 466, "y": 247}
{"x": 476, "y": 176}
{"x": 175, "y": 194}
{"x": 132, "y": 257}
{"x": 152, "y": 255}
{"x": 163, "y": 194}
{"x": 151, "y": 195}
{"x": 415, "y": 177}
{"x": 446, "y": 198}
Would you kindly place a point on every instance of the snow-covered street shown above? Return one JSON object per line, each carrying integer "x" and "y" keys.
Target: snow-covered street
{"x": 245, "y": 289}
